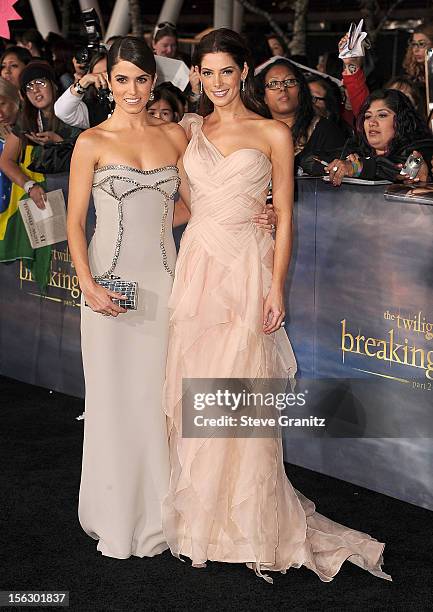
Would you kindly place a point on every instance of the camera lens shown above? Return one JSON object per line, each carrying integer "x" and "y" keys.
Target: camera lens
{"x": 82, "y": 55}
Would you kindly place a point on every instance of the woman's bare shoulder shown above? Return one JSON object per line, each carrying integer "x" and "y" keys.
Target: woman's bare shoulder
{"x": 175, "y": 132}
{"x": 91, "y": 136}
{"x": 276, "y": 132}
{"x": 88, "y": 148}
{"x": 273, "y": 126}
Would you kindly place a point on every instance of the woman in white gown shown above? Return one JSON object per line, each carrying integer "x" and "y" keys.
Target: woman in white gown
{"x": 125, "y": 466}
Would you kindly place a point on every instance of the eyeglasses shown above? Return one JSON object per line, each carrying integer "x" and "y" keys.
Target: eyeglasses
{"x": 317, "y": 99}
{"x": 40, "y": 83}
{"x": 418, "y": 44}
{"x": 287, "y": 83}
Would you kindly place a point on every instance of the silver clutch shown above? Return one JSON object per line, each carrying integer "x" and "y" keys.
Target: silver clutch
{"x": 128, "y": 288}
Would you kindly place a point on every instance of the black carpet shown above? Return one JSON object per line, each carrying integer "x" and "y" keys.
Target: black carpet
{"x": 44, "y": 548}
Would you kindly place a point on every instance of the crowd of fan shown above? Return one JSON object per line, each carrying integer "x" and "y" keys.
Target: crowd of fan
{"x": 339, "y": 126}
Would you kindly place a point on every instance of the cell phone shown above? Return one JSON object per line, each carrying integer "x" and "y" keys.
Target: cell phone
{"x": 412, "y": 166}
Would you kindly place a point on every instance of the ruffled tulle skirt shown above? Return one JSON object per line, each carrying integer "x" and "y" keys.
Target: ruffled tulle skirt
{"x": 229, "y": 498}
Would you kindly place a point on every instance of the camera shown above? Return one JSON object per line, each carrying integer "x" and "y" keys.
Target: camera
{"x": 94, "y": 35}
{"x": 94, "y": 45}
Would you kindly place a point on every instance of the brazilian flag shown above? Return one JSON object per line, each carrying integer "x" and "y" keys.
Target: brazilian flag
{"x": 14, "y": 242}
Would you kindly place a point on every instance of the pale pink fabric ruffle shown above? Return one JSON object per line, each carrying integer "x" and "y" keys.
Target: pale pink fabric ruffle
{"x": 229, "y": 499}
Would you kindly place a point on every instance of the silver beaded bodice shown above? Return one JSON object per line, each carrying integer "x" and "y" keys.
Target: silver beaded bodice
{"x": 107, "y": 184}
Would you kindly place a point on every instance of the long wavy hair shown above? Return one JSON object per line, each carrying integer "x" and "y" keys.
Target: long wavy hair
{"x": 305, "y": 110}
{"x": 228, "y": 41}
{"x": 409, "y": 126}
{"x": 411, "y": 67}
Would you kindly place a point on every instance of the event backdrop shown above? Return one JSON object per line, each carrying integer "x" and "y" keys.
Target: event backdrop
{"x": 360, "y": 318}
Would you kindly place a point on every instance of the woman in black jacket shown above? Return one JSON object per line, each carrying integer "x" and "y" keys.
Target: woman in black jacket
{"x": 389, "y": 129}
{"x": 284, "y": 90}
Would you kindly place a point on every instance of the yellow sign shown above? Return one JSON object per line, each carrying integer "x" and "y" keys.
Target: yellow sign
{"x": 394, "y": 348}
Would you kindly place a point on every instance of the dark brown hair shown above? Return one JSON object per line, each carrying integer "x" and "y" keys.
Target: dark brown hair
{"x": 35, "y": 37}
{"x": 304, "y": 113}
{"x": 22, "y": 54}
{"x": 162, "y": 93}
{"x": 228, "y": 41}
{"x": 131, "y": 49}
{"x": 408, "y": 124}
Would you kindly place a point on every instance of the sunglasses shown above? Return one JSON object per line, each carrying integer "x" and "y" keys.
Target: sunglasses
{"x": 287, "y": 83}
{"x": 418, "y": 44}
{"x": 317, "y": 99}
{"x": 162, "y": 26}
{"x": 40, "y": 83}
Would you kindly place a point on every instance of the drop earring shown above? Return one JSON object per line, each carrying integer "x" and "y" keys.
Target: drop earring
{"x": 110, "y": 97}
{"x": 152, "y": 96}
{"x": 201, "y": 88}
{"x": 243, "y": 84}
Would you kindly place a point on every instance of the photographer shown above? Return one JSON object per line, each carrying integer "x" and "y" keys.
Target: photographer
{"x": 85, "y": 104}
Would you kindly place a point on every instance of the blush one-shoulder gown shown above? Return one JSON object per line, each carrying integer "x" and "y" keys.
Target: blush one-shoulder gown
{"x": 229, "y": 498}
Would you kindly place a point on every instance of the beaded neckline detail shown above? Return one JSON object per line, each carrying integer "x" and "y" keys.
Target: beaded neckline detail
{"x": 138, "y": 170}
{"x": 106, "y": 184}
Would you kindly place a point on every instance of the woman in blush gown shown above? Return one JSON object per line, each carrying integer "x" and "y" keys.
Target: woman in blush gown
{"x": 125, "y": 467}
{"x": 229, "y": 498}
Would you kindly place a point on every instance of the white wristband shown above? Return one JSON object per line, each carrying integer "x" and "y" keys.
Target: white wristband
{"x": 28, "y": 185}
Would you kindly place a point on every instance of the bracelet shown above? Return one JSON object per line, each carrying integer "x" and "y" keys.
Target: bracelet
{"x": 79, "y": 89}
{"x": 28, "y": 186}
{"x": 357, "y": 167}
